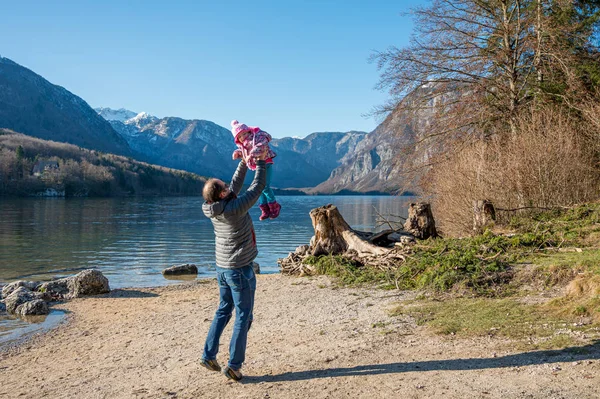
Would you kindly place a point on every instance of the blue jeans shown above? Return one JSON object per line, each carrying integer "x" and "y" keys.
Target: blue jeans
{"x": 236, "y": 288}
{"x": 267, "y": 195}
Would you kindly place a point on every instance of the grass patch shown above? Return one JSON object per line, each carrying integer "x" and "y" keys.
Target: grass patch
{"x": 569, "y": 227}
{"x": 482, "y": 316}
{"x": 485, "y": 264}
{"x": 347, "y": 271}
{"x": 380, "y": 324}
{"x": 496, "y": 317}
{"x": 559, "y": 268}
{"x": 582, "y": 300}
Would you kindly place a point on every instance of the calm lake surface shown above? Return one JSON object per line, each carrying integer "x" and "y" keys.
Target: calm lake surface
{"x": 131, "y": 240}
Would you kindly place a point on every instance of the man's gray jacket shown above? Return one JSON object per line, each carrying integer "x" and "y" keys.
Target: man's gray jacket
{"x": 235, "y": 240}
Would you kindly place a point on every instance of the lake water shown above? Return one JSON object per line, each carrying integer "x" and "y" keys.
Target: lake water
{"x": 131, "y": 240}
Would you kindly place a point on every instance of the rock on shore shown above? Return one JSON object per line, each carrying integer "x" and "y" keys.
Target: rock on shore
{"x": 19, "y": 297}
{"x": 9, "y": 288}
{"x": 36, "y": 307}
{"x": 87, "y": 282}
{"x": 28, "y": 298}
{"x": 180, "y": 269}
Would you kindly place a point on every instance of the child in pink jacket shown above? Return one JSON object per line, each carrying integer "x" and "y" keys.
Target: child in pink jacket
{"x": 251, "y": 142}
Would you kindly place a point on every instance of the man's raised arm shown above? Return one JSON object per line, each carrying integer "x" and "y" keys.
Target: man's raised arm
{"x": 237, "y": 181}
{"x": 243, "y": 203}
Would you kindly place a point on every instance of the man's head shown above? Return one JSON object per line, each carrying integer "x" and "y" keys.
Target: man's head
{"x": 214, "y": 190}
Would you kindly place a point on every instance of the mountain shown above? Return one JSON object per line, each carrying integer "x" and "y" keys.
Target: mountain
{"x": 198, "y": 146}
{"x": 120, "y": 114}
{"x": 205, "y": 148}
{"x": 309, "y": 161}
{"x": 374, "y": 164}
{"x": 31, "y": 105}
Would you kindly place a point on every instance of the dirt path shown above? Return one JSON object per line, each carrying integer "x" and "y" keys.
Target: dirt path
{"x": 308, "y": 340}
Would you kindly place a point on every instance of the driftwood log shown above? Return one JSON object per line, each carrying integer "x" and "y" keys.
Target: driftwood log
{"x": 333, "y": 236}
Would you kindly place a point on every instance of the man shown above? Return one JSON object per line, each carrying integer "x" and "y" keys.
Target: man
{"x": 235, "y": 249}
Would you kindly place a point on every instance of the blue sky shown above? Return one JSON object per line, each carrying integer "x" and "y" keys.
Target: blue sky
{"x": 290, "y": 67}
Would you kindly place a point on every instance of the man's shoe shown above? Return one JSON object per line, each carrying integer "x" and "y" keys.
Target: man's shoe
{"x": 232, "y": 374}
{"x": 212, "y": 365}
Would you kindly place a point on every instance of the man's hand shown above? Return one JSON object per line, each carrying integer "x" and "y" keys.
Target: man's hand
{"x": 260, "y": 153}
{"x": 237, "y": 154}
{"x": 261, "y": 157}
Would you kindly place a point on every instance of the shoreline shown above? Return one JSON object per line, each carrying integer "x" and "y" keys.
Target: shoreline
{"x": 27, "y": 336}
{"x": 310, "y": 338}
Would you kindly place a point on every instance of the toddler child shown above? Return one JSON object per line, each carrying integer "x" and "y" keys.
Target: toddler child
{"x": 251, "y": 142}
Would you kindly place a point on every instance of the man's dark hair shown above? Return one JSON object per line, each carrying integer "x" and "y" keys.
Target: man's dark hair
{"x": 212, "y": 190}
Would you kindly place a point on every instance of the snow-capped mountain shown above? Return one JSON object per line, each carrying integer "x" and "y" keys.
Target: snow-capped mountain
{"x": 197, "y": 146}
{"x": 120, "y": 114}
{"x": 205, "y": 148}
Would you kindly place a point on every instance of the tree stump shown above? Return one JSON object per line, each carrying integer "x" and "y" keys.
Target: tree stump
{"x": 483, "y": 215}
{"x": 334, "y": 236}
{"x": 420, "y": 222}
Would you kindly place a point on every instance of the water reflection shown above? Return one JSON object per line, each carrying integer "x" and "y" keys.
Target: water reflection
{"x": 132, "y": 240}
{"x": 13, "y": 328}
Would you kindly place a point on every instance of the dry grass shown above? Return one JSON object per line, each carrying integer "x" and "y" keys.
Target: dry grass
{"x": 581, "y": 300}
{"x": 549, "y": 162}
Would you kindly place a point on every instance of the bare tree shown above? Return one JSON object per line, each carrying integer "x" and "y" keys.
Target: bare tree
{"x": 479, "y": 74}
{"x": 474, "y": 57}
{"x": 477, "y": 63}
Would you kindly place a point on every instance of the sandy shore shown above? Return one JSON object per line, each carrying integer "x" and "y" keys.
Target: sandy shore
{"x": 309, "y": 340}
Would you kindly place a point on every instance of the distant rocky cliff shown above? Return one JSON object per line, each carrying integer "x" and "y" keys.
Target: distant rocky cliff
{"x": 378, "y": 162}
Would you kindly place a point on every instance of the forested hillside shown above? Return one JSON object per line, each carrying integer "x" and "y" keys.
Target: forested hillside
{"x": 31, "y": 166}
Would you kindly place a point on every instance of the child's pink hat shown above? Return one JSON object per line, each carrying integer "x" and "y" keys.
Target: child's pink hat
{"x": 237, "y": 128}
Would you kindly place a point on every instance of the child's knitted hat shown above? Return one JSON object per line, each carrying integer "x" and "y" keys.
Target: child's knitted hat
{"x": 238, "y": 128}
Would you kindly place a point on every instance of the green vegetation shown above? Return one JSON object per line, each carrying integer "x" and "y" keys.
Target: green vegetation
{"x": 29, "y": 165}
{"x": 475, "y": 286}
{"x": 487, "y": 264}
{"x": 540, "y": 326}
{"x": 346, "y": 271}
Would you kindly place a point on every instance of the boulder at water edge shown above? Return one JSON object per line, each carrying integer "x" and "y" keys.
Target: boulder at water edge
{"x": 9, "y": 288}
{"x": 180, "y": 269}
{"x": 56, "y": 289}
{"x": 36, "y": 307}
{"x": 87, "y": 282}
{"x": 18, "y": 297}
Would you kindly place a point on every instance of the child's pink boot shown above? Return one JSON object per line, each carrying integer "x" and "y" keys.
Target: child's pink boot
{"x": 265, "y": 212}
{"x": 274, "y": 209}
